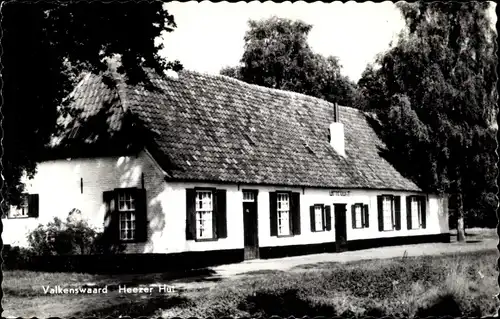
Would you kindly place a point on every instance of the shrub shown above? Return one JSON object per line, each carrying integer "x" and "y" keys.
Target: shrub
{"x": 16, "y": 257}
{"x": 71, "y": 237}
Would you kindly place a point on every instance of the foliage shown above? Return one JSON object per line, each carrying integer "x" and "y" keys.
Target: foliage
{"x": 277, "y": 55}
{"x": 59, "y": 42}
{"x": 435, "y": 93}
{"x": 71, "y": 237}
{"x": 16, "y": 257}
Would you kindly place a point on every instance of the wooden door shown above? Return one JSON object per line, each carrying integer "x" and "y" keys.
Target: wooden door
{"x": 340, "y": 226}
{"x": 250, "y": 224}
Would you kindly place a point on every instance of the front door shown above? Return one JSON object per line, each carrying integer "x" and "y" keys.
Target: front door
{"x": 340, "y": 227}
{"x": 250, "y": 224}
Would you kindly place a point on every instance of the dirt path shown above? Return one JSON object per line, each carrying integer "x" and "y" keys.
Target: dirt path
{"x": 232, "y": 271}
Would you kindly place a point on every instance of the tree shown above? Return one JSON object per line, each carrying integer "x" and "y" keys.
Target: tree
{"x": 435, "y": 92}
{"x": 277, "y": 55}
{"x": 45, "y": 47}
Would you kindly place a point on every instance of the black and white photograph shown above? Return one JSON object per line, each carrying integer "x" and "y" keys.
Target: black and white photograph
{"x": 249, "y": 159}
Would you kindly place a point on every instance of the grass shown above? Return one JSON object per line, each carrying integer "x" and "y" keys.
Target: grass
{"x": 458, "y": 285}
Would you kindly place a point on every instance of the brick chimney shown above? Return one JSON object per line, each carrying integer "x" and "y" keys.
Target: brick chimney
{"x": 337, "y": 140}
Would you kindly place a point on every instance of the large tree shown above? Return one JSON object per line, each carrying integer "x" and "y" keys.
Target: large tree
{"x": 277, "y": 55}
{"x": 435, "y": 93}
{"x": 45, "y": 46}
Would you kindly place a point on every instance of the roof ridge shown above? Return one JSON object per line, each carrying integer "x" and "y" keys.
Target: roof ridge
{"x": 262, "y": 88}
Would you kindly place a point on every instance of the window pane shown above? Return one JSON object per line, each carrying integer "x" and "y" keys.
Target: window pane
{"x": 415, "y": 213}
{"x": 318, "y": 218}
{"x": 357, "y": 213}
{"x": 387, "y": 212}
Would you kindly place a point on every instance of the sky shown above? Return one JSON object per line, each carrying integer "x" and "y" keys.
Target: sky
{"x": 210, "y": 35}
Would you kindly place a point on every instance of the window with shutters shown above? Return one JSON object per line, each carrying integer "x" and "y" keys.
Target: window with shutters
{"x": 416, "y": 212}
{"x": 318, "y": 218}
{"x": 204, "y": 214}
{"x": 283, "y": 210}
{"x": 21, "y": 210}
{"x": 127, "y": 214}
{"x": 388, "y": 212}
{"x": 358, "y": 216}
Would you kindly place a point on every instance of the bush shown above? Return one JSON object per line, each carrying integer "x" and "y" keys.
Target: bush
{"x": 71, "y": 237}
{"x": 16, "y": 257}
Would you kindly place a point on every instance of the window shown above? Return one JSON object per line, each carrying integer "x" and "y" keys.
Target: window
{"x": 21, "y": 210}
{"x": 28, "y": 207}
{"x": 359, "y": 216}
{"x": 126, "y": 214}
{"x": 204, "y": 211}
{"x": 205, "y": 214}
{"x": 415, "y": 210}
{"x": 388, "y": 212}
{"x": 126, "y": 209}
{"x": 283, "y": 214}
{"x": 318, "y": 217}
{"x": 248, "y": 197}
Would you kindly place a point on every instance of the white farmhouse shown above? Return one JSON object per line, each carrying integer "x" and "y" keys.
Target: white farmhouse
{"x": 212, "y": 164}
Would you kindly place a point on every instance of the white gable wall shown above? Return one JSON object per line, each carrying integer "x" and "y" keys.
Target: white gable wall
{"x": 58, "y": 186}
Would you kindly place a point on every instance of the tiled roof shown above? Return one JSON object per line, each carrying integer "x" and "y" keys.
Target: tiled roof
{"x": 218, "y": 129}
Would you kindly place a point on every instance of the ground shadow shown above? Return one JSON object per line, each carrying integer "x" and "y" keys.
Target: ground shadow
{"x": 444, "y": 306}
{"x": 134, "y": 280}
{"x": 135, "y": 308}
{"x": 284, "y": 304}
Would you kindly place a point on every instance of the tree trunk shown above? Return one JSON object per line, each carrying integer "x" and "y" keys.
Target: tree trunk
{"x": 460, "y": 219}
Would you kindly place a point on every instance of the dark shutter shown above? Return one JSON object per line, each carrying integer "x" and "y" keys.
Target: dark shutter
{"x": 353, "y": 215}
{"x": 366, "y": 215}
{"x": 141, "y": 215}
{"x": 221, "y": 214}
{"x": 423, "y": 203}
{"x": 328, "y": 217}
{"x": 190, "y": 214}
{"x": 408, "y": 212}
{"x": 380, "y": 213}
{"x": 313, "y": 219}
{"x": 111, "y": 218}
{"x": 273, "y": 213}
{"x": 33, "y": 205}
{"x": 397, "y": 212}
{"x": 295, "y": 201}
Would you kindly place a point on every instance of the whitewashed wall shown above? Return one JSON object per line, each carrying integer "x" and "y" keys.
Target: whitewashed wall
{"x": 58, "y": 185}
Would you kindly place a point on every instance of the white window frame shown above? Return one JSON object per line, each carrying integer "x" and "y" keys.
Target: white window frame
{"x": 319, "y": 218}
{"x": 416, "y": 222}
{"x": 204, "y": 209}
{"x": 359, "y": 221}
{"x": 248, "y": 197}
{"x": 283, "y": 209}
{"x": 387, "y": 226}
{"x": 23, "y": 210}
{"x": 127, "y": 214}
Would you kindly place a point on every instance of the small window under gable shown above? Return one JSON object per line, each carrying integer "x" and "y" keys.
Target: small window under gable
{"x": 28, "y": 207}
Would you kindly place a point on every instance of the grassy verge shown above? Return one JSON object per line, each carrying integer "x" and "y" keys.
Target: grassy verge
{"x": 458, "y": 285}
